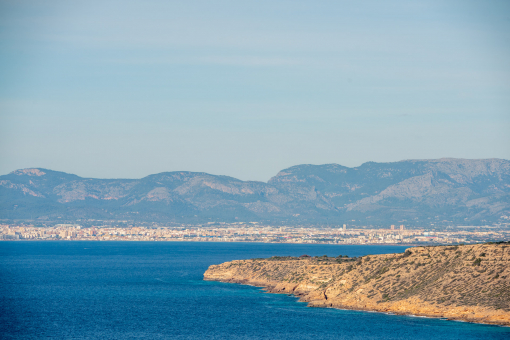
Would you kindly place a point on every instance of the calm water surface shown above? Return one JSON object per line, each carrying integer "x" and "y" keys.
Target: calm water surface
{"x": 154, "y": 290}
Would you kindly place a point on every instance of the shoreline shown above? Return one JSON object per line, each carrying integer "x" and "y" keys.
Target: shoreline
{"x": 303, "y": 243}
{"x": 467, "y": 283}
{"x": 313, "y": 304}
{"x": 421, "y": 316}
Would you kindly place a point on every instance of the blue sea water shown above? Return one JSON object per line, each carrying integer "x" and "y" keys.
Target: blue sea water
{"x": 155, "y": 290}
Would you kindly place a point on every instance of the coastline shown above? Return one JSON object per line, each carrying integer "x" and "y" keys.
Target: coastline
{"x": 437, "y": 313}
{"x": 211, "y": 241}
{"x": 330, "y": 285}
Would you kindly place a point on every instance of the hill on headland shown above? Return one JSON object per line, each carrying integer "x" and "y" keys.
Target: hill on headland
{"x": 470, "y": 282}
{"x": 411, "y": 192}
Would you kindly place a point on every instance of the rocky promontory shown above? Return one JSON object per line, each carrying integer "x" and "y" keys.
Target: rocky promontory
{"x": 465, "y": 282}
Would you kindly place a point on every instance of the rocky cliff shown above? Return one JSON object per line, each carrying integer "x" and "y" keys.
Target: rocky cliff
{"x": 469, "y": 282}
{"x": 414, "y": 192}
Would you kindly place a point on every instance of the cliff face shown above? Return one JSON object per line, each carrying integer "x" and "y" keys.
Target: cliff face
{"x": 470, "y": 283}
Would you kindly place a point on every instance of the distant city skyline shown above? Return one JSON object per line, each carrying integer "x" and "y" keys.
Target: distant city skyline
{"x": 125, "y": 89}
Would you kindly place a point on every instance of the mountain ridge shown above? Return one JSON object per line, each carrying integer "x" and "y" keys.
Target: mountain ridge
{"x": 410, "y": 191}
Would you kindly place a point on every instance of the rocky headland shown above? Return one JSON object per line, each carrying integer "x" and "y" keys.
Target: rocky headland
{"x": 466, "y": 282}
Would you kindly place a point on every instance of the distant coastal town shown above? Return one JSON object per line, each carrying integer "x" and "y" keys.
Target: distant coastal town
{"x": 254, "y": 232}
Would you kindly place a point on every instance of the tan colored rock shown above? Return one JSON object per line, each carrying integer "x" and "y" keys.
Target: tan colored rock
{"x": 470, "y": 283}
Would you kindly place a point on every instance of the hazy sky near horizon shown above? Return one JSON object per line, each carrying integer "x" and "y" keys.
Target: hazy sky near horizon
{"x": 124, "y": 89}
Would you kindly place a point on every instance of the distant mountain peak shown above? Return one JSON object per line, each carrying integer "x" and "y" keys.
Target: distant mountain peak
{"x": 29, "y": 172}
{"x": 417, "y": 191}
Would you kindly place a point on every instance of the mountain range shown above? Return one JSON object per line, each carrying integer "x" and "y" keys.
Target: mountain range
{"x": 414, "y": 192}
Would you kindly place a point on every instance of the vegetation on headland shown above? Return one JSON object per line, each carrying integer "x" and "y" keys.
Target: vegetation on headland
{"x": 464, "y": 282}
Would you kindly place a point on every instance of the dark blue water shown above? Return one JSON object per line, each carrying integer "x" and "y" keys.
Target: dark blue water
{"x": 154, "y": 290}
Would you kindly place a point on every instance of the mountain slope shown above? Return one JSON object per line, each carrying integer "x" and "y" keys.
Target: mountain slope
{"x": 454, "y": 190}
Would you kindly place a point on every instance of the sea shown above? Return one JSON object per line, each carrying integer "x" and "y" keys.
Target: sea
{"x": 155, "y": 290}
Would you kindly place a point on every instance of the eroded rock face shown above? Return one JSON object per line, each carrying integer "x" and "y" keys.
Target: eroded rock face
{"x": 470, "y": 283}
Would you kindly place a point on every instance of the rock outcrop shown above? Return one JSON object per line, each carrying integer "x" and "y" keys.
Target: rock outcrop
{"x": 466, "y": 282}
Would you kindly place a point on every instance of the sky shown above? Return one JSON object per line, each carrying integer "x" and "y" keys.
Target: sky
{"x": 125, "y": 89}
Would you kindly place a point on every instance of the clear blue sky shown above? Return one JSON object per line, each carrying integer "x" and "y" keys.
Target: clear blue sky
{"x": 247, "y": 88}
